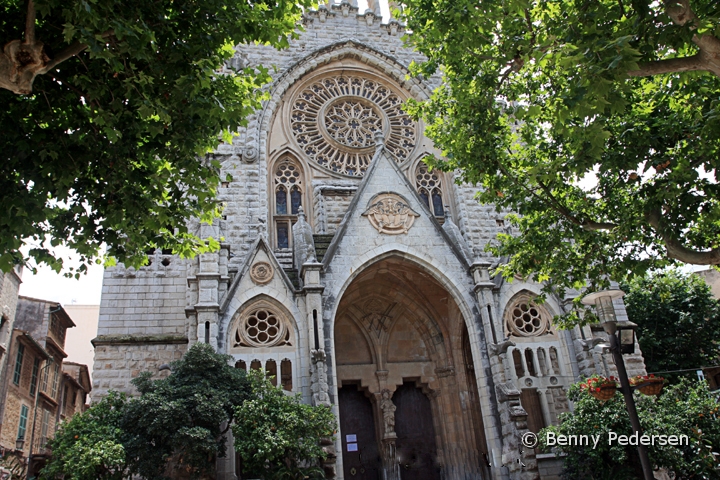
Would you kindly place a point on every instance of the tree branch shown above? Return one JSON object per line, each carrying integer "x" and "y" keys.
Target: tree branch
{"x": 678, "y": 251}
{"x": 589, "y": 225}
{"x": 63, "y": 55}
{"x": 30, "y": 24}
{"x": 685, "y": 64}
{"x": 707, "y": 59}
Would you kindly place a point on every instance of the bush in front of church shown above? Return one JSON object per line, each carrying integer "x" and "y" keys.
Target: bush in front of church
{"x": 90, "y": 445}
{"x": 686, "y": 408}
{"x": 176, "y": 428}
{"x": 277, "y": 436}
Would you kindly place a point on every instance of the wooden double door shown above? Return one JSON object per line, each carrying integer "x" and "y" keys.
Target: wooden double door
{"x": 414, "y": 451}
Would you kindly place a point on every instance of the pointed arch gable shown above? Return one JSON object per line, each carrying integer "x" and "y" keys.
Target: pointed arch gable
{"x": 460, "y": 293}
{"x": 263, "y": 333}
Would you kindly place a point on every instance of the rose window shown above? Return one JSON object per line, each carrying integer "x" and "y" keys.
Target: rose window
{"x": 527, "y": 320}
{"x": 334, "y": 121}
{"x": 352, "y": 123}
{"x": 261, "y": 328}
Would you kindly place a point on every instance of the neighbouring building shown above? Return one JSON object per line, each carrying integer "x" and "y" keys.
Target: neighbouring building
{"x": 39, "y": 390}
{"x": 357, "y": 277}
{"x": 9, "y": 288}
{"x": 76, "y": 387}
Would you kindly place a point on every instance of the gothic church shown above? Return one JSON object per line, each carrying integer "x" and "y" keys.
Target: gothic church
{"x": 356, "y": 277}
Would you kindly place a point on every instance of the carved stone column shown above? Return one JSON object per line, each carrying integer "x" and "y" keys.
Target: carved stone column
{"x": 310, "y": 274}
{"x": 519, "y": 460}
{"x": 496, "y": 436}
{"x": 389, "y": 437}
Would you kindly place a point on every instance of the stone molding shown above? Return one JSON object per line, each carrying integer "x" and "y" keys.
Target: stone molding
{"x": 139, "y": 340}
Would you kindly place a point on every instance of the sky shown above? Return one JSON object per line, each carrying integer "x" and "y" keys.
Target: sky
{"x": 48, "y": 285}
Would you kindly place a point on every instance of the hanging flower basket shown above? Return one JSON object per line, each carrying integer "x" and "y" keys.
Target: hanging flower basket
{"x": 648, "y": 384}
{"x": 600, "y": 387}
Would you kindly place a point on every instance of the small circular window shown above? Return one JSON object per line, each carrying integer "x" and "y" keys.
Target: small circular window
{"x": 261, "y": 328}
{"x": 527, "y": 319}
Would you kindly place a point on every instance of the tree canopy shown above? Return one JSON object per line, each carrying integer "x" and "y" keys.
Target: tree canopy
{"x": 595, "y": 122}
{"x": 109, "y": 110}
{"x": 184, "y": 418}
{"x": 678, "y": 321}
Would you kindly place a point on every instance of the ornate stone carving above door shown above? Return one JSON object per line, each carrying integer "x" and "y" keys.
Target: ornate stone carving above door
{"x": 390, "y": 214}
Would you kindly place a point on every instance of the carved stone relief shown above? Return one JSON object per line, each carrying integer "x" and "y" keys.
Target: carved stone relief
{"x": 318, "y": 379}
{"x": 389, "y": 214}
{"x": 261, "y": 273}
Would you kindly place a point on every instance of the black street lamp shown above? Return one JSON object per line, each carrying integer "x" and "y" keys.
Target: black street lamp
{"x": 19, "y": 444}
{"x": 622, "y": 340}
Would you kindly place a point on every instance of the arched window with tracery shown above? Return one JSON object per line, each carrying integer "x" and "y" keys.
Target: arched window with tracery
{"x": 289, "y": 190}
{"x": 263, "y": 337}
{"x": 429, "y": 186}
{"x": 540, "y": 363}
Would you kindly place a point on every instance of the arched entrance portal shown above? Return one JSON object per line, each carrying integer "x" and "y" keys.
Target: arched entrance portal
{"x": 402, "y": 353}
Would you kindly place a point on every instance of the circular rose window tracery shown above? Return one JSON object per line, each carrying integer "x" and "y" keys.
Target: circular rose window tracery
{"x": 527, "y": 319}
{"x": 352, "y": 123}
{"x": 334, "y": 121}
{"x": 261, "y": 328}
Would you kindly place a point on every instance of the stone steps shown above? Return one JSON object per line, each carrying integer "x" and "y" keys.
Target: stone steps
{"x": 322, "y": 242}
{"x": 293, "y": 276}
{"x": 284, "y": 258}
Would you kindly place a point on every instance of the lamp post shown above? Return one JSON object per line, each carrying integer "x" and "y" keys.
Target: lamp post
{"x": 622, "y": 340}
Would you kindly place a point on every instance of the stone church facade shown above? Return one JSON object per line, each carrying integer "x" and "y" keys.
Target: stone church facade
{"x": 356, "y": 277}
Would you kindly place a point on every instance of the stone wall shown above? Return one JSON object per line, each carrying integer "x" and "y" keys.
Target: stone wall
{"x": 549, "y": 466}
{"x": 142, "y": 322}
{"x": 148, "y": 301}
{"x": 117, "y": 362}
{"x": 478, "y": 223}
{"x": 330, "y": 208}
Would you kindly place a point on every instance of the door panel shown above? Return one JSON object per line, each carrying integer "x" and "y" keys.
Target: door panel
{"x": 530, "y": 401}
{"x": 416, "y": 448}
{"x": 356, "y": 418}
